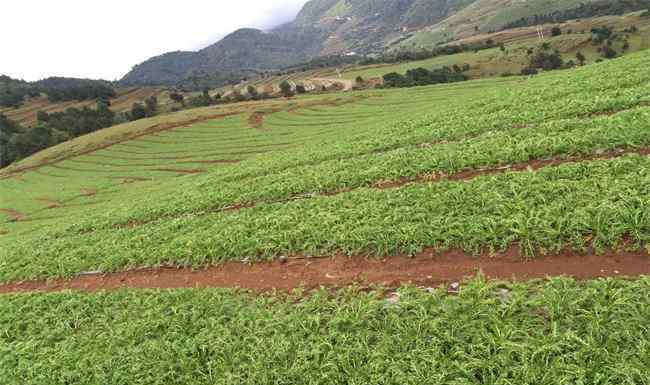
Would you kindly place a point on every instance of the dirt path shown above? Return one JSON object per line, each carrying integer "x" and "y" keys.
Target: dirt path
{"x": 345, "y": 83}
{"x": 13, "y": 214}
{"x": 427, "y": 269}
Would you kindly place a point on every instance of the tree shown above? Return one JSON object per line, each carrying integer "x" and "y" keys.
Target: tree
{"x": 300, "y": 89}
{"x": 252, "y": 92}
{"x": 42, "y": 116}
{"x": 285, "y": 89}
{"x": 138, "y": 112}
{"x": 177, "y": 97}
{"x": 151, "y": 105}
{"x": 608, "y": 52}
{"x": 556, "y": 31}
{"x": 581, "y": 58}
{"x": 359, "y": 80}
{"x": 529, "y": 71}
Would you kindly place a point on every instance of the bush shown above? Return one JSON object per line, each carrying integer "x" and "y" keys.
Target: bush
{"x": 547, "y": 60}
{"x": 556, "y": 31}
{"x": 528, "y": 71}
{"x": 285, "y": 89}
{"x": 422, "y": 76}
{"x": 608, "y": 52}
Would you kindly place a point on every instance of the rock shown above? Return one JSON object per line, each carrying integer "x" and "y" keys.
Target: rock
{"x": 454, "y": 288}
{"x": 392, "y": 300}
{"x": 283, "y": 259}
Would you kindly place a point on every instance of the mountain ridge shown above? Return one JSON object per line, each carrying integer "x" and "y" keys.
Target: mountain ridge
{"x": 337, "y": 27}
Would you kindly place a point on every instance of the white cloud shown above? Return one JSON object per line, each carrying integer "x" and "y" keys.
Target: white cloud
{"x": 89, "y": 38}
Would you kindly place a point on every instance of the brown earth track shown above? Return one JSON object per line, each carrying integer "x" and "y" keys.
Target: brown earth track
{"x": 215, "y": 161}
{"x": 182, "y": 170}
{"x": 88, "y": 192}
{"x": 426, "y": 178}
{"x": 51, "y": 203}
{"x": 14, "y": 215}
{"x": 426, "y": 269}
{"x": 256, "y": 119}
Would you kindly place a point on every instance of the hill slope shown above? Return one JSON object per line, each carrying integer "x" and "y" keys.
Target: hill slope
{"x": 333, "y": 27}
{"x": 169, "y": 190}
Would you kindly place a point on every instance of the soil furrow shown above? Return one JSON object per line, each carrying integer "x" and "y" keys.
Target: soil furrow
{"x": 426, "y": 178}
{"x": 427, "y": 269}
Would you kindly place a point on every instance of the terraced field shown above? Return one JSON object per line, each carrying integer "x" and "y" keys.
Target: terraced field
{"x": 493, "y": 62}
{"x": 519, "y": 177}
{"x": 381, "y": 160}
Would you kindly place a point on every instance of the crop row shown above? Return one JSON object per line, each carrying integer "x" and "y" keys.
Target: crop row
{"x": 591, "y": 204}
{"x": 556, "y": 332}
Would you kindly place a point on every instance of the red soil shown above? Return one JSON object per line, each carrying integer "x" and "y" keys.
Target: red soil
{"x": 426, "y": 269}
{"x": 182, "y": 170}
{"x": 14, "y": 215}
{"x": 430, "y": 178}
{"x": 51, "y": 203}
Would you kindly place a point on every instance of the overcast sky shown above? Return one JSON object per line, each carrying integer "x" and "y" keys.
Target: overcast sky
{"x": 104, "y": 39}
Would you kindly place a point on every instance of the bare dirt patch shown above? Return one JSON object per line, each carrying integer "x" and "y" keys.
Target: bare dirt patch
{"x": 215, "y": 161}
{"x": 427, "y": 269}
{"x": 88, "y": 192}
{"x": 13, "y": 215}
{"x": 51, "y": 203}
{"x": 182, "y": 170}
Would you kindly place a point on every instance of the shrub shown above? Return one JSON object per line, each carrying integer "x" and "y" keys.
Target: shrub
{"x": 527, "y": 71}
{"x": 285, "y": 89}
{"x": 608, "y": 52}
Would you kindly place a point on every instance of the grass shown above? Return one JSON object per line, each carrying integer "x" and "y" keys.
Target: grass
{"x": 552, "y": 332}
{"x": 308, "y": 148}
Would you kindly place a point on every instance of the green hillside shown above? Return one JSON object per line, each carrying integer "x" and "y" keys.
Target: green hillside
{"x": 491, "y": 231}
{"x": 169, "y": 190}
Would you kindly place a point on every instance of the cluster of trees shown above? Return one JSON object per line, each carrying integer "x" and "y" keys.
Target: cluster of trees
{"x": 77, "y": 121}
{"x": 584, "y": 10}
{"x": 82, "y": 92}
{"x": 14, "y": 92}
{"x": 402, "y": 56}
{"x": 52, "y": 128}
{"x": 140, "y": 111}
{"x": 317, "y": 63}
{"x": 422, "y": 76}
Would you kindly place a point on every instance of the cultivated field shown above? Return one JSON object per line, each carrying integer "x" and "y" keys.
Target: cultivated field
{"x": 412, "y": 188}
{"x": 402, "y": 170}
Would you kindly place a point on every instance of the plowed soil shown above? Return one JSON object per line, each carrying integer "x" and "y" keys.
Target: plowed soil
{"x": 427, "y": 269}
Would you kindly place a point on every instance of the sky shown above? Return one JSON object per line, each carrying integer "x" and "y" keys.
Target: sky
{"x": 105, "y": 39}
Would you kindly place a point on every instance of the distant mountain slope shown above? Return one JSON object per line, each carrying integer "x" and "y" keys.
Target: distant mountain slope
{"x": 331, "y": 27}
{"x": 322, "y": 27}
